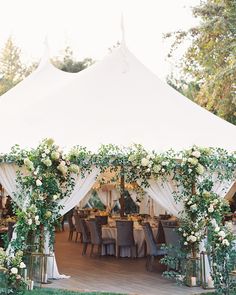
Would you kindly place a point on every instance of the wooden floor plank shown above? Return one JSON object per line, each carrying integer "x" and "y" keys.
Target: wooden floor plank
{"x": 110, "y": 274}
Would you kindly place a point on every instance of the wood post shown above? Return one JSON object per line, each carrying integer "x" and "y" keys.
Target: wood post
{"x": 122, "y": 193}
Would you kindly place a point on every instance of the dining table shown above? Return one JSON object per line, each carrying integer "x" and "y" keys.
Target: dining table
{"x": 110, "y": 231}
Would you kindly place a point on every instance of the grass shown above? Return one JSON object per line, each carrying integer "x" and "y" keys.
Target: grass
{"x": 47, "y": 291}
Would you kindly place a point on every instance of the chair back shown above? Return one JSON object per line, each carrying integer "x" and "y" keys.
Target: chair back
{"x": 102, "y": 220}
{"x": 10, "y": 230}
{"x": 125, "y": 233}
{"x": 77, "y": 224}
{"x": 169, "y": 222}
{"x": 160, "y": 234}
{"x": 95, "y": 232}
{"x": 70, "y": 220}
{"x": 84, "y": 230}
{"x": 172, "y": 236}
{"x": 149, "y": 238}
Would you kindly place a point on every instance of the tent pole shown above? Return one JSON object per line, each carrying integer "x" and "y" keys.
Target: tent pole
{"x": 122, "y": 193}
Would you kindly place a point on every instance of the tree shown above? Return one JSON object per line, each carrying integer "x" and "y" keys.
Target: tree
{"x": 12, "y": 71}
{"x": 210, "y": 61}
{"x": 69, "y": 64}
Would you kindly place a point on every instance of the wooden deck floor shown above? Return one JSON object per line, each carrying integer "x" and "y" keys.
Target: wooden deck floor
{"x": 110, "y": 274}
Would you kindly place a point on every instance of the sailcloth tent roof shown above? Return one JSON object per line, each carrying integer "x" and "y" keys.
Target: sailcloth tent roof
{"x": 117, "y": 100}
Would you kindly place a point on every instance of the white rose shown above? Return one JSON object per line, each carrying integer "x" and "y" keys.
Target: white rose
{"x": 193, "y": 161}
{"x": 22, "y": 265}
{"x": 193, "y": 239}
{"x": 44, "y": 155}
{"x": 217, "y": 229}
{"x": 148, "y": 170}
{"x": 36, "y": 217}
{"x": 144, "y": 162}
{"x": 213, "y": 222}
{"x": 74, "y": 168}
{"x": 210, "y": 209}
{"x": 180, "y": 229}
{"x": 62, "y": 168}
{"x": 193, "y": 207}
{"x": 29, "y": 221}
{"x": 38, "y": 182}
{"x": 28, "y": 164}
{"x": 14, "y": 270}
{"x": 47, "y": 162}
{"x": 47, "y": 151}
{"x": 55, "y": 197}
{"x": 163, "y": 170}
{"x": 37, "y": 222}
{"x": 164, "y": 163}
{"x": 216, "y": 201}
{"x": 221, "y": 234}
{"x": 200, "y": 169}
{"x": 184, "y": 235}
{"x": 156, "y": 168}
{"x": 225, "y": 242}
{"x": 189, "y": 202}
{"x": 196, "y": 154}
{"x": 55, "y": 155}
{"x": 185, "y": 243}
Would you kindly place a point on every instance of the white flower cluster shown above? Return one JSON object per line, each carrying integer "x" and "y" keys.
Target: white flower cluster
{"x": 193, "y": 160}
{"x": 221, "y": 233}
{"x": 29, "y": 164}
{"x": 191, "y": 237}
{"x": 62, "y": 167}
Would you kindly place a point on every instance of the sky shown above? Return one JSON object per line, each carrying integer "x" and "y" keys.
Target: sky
{"x": 90, "y": 27}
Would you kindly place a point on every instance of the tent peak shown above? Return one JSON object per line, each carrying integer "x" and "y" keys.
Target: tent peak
{"x": 45, "y": 59}
{"x": 123, "y": 43}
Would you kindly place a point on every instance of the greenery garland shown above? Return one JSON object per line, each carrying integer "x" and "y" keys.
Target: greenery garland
{"x": 50, "y": 179}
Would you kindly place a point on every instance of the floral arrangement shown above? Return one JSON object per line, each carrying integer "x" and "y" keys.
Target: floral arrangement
{"x": 15, "y": 272}
{"x": 48, "y": 179}
{"x": 204, "y": 211}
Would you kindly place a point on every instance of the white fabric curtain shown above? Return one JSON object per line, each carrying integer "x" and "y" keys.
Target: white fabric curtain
{"x": 8, "y": 175}
{"x": 82, "y": 187}
{"x": 103, "y": 196}
{"x": 85, "y": 200}
{"x": 147, "y": 205}
{"x": 162, "y": 193}
{"x": 109, "y": 197}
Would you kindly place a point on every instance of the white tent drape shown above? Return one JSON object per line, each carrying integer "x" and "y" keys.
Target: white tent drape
{"x": 147, "y": 205}
{"x": 162, "y": 193}
{"x": 82, "y": 187}
{"x": 85, "y": 200}
{"x": 8, "y": 174}
{"x": 109, "y": 197}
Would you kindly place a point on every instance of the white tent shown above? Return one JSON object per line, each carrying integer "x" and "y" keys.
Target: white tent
{"x": 117, "y": 100}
